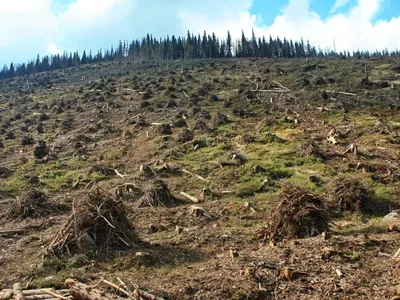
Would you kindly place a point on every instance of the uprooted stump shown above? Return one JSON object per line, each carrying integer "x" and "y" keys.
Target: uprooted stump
{"x": 31, "y": 204}
{"x": 350, "y": 194}
{"x": 310, "y": 148}
{"x": 298, "y": 214}
{"x": 98, "y": 224}
{"x": 157, "y": 193}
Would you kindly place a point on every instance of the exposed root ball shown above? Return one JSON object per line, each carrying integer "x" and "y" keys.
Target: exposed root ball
{"x": 32, "y": 204}
{"x": 350, "y": 194}
{"x": 97, "y": 224}
{"x": 298, "y": 214}
{"x": 156, "y": 194}
{"x": 310, "y": 148}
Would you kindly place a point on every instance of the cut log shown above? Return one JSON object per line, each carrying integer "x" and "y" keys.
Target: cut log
{"x": 80, "y": 291}
{"x": 6, "y": 294}
{"x": 140, "y": 294}
{"x": 250, "y": 206}
{"x": 194, "y": 199}
{"x": 352, "y": 149}
{"x": 198, "y": 211}
{"x": 17, "y": 291}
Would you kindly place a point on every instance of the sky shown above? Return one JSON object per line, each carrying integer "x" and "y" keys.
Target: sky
{"x": 31, "y": 27}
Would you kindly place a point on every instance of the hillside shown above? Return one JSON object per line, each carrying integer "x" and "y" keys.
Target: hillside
{"x": 232, "y": 137}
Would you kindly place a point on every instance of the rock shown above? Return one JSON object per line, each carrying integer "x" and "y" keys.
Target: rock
{"x": 86, "y": 243}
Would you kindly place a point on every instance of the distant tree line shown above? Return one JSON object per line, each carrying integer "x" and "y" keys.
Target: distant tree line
{"x": 190, "y": 47}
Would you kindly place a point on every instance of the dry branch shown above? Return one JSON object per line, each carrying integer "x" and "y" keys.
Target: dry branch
{"x": 194, "y": 199}
{"x": 343, "y": 93}
{"x": 82, "y": 291}
{"x": 191, "y": 173}
{"x": 118, "y": 173}
{"x": 97, "y": 224}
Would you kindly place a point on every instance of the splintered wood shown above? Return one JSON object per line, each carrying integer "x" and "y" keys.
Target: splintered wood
{"x": 18, "y": 293}
{"x": 78, "y": 291}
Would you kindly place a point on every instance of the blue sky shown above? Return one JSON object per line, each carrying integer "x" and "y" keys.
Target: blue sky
{"x": 29, "y": 27}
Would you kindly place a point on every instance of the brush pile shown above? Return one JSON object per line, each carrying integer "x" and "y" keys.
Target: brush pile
{"x": 156, "y": 194}
{"x": 31, "y": 204}
{"x": 350, "y": 194}
{"x": 98, "y": 224}
{"x": 298, "y": 214}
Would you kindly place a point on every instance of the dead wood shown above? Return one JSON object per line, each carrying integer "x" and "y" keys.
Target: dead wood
{"x": 31, "y": 204}
{"x": 147, "y": 171}
{"x": 352, "y": 149}
{"x": 310, "y": 148}
{"x": 191, "y": 173}
{"x": 6, "y": 294}
{"x": 298, "y": 214}
{"x": 157, "y": 193}
{"x": 98, "y": 224}
{"x": 193, "y": 199}
{"x": 17, "y": 291}
{"x": 350, "y": 194}
{"x": 331, "y": 140}
{"x": 82, "y": 291}
{"x": 198, "y": 211}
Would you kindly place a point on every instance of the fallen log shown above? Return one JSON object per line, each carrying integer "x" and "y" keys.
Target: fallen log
{"x": 17, "y": 291}
{"x": 145, "y": 295}
{"x": 82, "y": 291}
{"x": 194, "y": 199}
{"x": 6, "y": 294}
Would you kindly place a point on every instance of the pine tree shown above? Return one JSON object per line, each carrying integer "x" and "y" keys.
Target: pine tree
{"x": 229, "y": 45}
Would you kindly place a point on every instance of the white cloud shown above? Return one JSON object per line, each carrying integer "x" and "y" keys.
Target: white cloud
{"x": 351, "y": 31}
{"x": 29, "y": 27}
